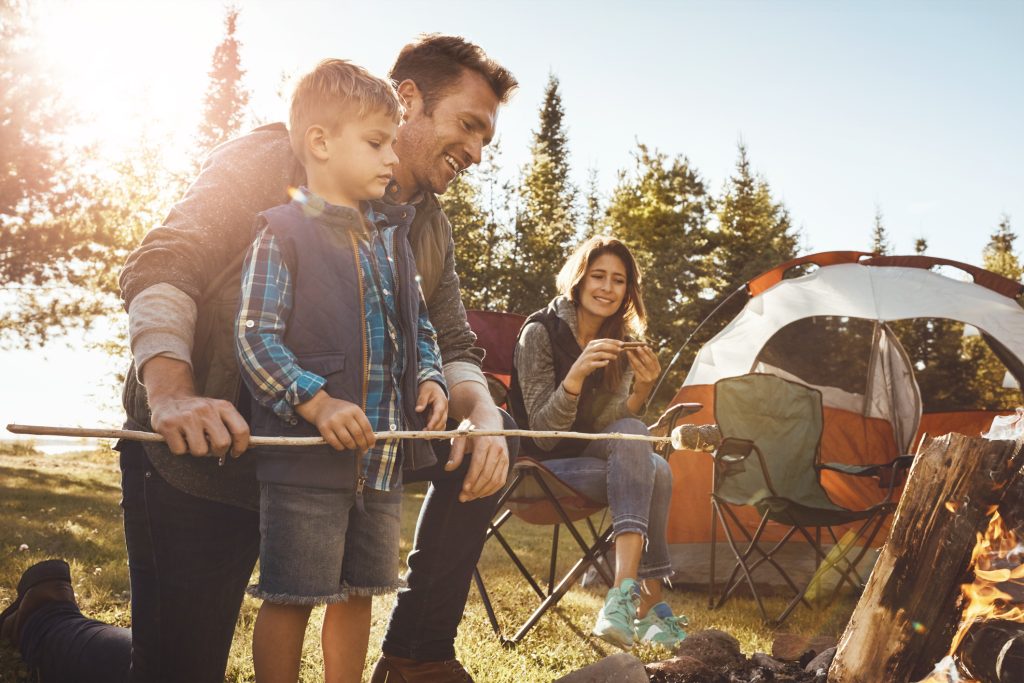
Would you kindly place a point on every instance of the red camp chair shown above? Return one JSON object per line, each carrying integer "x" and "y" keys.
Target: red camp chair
{"x": 535, "y": 495}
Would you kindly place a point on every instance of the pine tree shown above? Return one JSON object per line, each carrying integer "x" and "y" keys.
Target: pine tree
{"x": 226, "y": 98}
{"x": 593, "y": 209}
{"x": 999, "y": 256}
{"x": 546, "y": 220}
{"x": 755, "y": 232}
{"x": 31, "y": 123}
{"x": 879, "y": 236}
{"x": 987, "y": 381}
{"x": 660, "y": 209}
{"x": 477, "y": 207}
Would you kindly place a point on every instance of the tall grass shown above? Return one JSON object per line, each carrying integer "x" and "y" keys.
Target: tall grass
{"x": 67, "y": 506}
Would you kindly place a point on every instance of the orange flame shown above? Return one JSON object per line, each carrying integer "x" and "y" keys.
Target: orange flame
{"x": 998, "y": 561}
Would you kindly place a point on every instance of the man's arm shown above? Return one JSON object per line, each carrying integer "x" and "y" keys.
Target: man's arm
{"x": 164, "y": 279}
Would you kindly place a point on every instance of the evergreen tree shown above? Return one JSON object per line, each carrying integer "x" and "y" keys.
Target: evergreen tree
{"x": 660, "y": 209}
{"x": 593, "y": 209}
{"x": 999, "y": 256}
{"x": 755, "y": 232}
{"x": 226, "y": 98}
{"x": 879, "y": 236}
{"x": 477, "y": 207}
{"x": 31, "y": 122}
{"x": 987, "y": 381}
{"x": 546, "y": 220}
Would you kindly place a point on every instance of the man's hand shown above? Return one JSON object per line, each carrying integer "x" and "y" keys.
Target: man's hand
{"x": 189, "y": 423}
{"x": 488, "y": 468}
{"x": 342, "y": 424}
{"x": 431, "y": 396}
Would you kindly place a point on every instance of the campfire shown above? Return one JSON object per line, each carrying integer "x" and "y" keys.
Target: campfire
{"x": 989, "y": 643}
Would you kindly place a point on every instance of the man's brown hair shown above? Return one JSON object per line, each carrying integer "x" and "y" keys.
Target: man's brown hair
{"x": 334, "y": 91}
{"x": 435, "y": 62}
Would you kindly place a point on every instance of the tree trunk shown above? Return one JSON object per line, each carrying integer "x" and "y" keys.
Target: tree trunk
{"x": 908, "y": 614}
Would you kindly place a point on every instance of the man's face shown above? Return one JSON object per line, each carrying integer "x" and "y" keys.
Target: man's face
{"x": 432, "y": 148}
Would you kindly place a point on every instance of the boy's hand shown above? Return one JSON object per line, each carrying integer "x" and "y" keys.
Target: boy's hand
{"x": 342, "y": 424}
{"x": 431, "y": 396}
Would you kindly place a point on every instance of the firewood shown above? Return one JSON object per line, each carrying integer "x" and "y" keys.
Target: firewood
{"x": 908, "y": 614}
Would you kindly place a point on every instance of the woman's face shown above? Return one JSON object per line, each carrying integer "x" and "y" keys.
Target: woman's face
{"x": 603, "y": 286}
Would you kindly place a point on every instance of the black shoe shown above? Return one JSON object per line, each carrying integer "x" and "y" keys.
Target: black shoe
{"x": 41, "y": 572}
{"x": 401, "y": 670}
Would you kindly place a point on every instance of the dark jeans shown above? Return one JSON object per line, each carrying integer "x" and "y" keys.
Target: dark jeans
{"x": 190, "y": 560}
{"x": 449, "y": 539}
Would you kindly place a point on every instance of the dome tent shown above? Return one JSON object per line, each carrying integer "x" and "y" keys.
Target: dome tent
{"x": 834, "y": 329}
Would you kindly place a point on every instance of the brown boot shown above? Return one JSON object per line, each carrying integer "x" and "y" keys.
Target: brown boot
{"x": 42, "y": 583}
{"x": 400, "y": 670}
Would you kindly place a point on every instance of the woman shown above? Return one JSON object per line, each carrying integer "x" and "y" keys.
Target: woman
{"x": 573, "y": 372}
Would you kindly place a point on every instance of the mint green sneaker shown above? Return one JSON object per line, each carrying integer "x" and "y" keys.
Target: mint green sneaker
{"x": 660, "y": 626}
{"x": 615, "y": 620}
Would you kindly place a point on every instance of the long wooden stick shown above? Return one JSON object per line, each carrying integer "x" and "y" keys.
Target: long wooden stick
{"x": 43, "y": 430}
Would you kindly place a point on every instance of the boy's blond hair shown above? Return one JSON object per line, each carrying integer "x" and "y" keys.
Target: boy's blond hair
{"x": 334, "y": 91}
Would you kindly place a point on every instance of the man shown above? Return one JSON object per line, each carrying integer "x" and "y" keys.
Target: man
{"x": 191, "y": 525}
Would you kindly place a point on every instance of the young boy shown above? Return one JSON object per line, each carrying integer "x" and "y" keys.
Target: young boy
{"x": 333, "y": 338}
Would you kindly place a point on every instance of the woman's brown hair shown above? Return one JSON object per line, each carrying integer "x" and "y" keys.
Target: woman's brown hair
{"x": 631, "y": 317}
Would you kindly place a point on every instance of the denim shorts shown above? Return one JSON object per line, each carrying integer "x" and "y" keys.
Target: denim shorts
{"x": 316, "y": 547}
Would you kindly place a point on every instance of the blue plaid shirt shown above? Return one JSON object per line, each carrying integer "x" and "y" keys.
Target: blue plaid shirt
{"x": 270, "y": 368}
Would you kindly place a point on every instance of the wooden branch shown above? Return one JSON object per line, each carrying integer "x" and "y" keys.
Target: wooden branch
{"x": 42, "y": 430}
{"x": 908, "y": 614}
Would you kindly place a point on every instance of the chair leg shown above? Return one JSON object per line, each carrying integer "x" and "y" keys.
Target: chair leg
{"x": 741, "y": 565}
{"x": 554, "y": 558}
{"x": 714, "y": 545}
{"x": 563, "y": 587}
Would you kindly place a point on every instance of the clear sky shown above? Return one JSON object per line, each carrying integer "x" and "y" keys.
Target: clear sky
{"x": 914, "y": 107}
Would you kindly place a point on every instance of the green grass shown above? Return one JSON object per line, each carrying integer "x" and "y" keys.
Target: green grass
{"x": 67, "y": 506}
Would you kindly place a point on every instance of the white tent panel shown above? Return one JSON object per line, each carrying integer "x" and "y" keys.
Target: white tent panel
{"x": 873, "y": 293}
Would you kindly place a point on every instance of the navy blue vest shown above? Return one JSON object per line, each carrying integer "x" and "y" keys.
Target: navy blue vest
{"x": 326, "y": 330}
{"x": 593, "y": 397}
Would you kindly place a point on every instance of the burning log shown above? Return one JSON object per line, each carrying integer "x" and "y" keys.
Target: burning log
{"x": 994, "y": 651}
{"x": 906, "y": 618}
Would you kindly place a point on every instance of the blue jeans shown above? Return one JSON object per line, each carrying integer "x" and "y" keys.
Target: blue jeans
{"x": 636, "y": 484}
{"x": 190, "y": 560}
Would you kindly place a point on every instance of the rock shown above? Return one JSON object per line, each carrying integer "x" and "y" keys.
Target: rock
{"x": 681, "y": 670}
{"x": 621, "y": 667}
{"x": 765, "y": 662}
{"x": 712, "y": 647}
{"x": 822, "y": 662}
{"x": 791, "y": 647}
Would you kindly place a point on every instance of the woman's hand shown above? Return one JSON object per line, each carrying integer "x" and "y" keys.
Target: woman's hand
{"x": 644, "y": 362}
{"x": 596, "y": 355}
{"x": 646, "y": 370}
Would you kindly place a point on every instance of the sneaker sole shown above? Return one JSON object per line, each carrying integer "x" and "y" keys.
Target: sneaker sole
{"x": 614, "y": 638}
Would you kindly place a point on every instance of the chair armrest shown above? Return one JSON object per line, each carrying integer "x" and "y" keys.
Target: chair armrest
{"x": 889, "y": 474}
{"x": 899, "y": 462}
{"x": 733, "y": 450}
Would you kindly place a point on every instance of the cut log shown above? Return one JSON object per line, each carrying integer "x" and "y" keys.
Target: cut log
{"x": 994, "y": 651}
{"x": 908, "y": 614}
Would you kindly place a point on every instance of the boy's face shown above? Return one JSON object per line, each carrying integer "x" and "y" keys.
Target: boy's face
{"x": 358, "y": 161}
{"x": 434, "y": 147}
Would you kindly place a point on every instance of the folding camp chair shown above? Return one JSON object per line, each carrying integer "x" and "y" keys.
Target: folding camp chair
{"x": 535, "y": 495}
{"x": 779, "y": 423}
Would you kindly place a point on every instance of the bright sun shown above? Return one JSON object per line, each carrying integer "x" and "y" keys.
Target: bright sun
{"x": 130, "y": 70}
